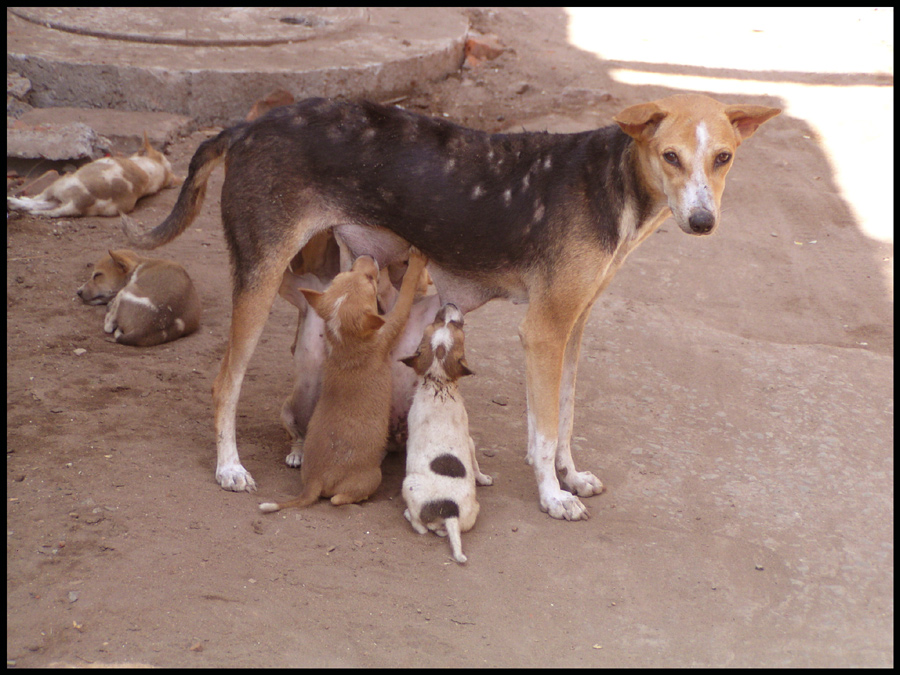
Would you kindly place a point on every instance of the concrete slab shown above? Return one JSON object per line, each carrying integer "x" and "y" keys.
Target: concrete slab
{"x": 212, "y": 64}
{"x": 124, "y": 130}
{"x": 55, "y": 141}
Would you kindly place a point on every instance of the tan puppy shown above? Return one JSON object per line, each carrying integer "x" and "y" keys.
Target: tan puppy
{"x": 441, "y": 467}
{"x": 309, "y": 348}
{"x": 348, "y": 431}
{"x": 151, "y": 301}
{"x": 105, "y": 187}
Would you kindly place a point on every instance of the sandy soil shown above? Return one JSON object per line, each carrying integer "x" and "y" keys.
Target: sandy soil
{"x": 734, "y": 396}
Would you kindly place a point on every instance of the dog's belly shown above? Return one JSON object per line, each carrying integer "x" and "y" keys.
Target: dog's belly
{"x": 383, "y": 245}
{"x": 467, "y": 290}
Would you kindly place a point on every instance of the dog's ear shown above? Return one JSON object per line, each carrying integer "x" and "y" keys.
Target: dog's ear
{"x": 314, "y": 298}
{"x": 145, "y": 147}
{"x": 125, "y": 259}
{"x": 411, "y": 360}
{"x": 640, "y": 121}
{"x": 457, "y": 368}
{"x": 371, "y": 323}
{"x": 746, "y": 119}
{"x": 173, "y": 180}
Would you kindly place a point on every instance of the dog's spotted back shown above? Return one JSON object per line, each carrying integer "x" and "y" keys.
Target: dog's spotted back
{"x": 361, "y": 155}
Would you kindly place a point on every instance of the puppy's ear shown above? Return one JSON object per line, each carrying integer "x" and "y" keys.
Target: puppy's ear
{"x": 125, "y": 259}
{"x": 371, "y": 323}
{"x": 420, "y": 361}
{"x": 457, "y": 368}
{"x": 411, "y": 360}
{"x": 314, "y": 298}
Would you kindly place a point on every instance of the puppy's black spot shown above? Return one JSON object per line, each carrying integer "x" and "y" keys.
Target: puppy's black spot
{"x": 439, "y": 508}
{"x": 448, "y": 465}
{"x": 564, "y": 472}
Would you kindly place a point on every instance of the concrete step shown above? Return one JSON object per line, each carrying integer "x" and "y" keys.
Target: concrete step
{"x": 211, "y": 64}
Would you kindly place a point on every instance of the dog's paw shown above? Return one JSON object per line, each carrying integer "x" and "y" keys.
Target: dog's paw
{"x": 564, "y": 505}
{"x": 416, "y": 524}
{"x": 294, "y": 459}
{"x": 235, "y": 478}
{"x": 583, "y": 484}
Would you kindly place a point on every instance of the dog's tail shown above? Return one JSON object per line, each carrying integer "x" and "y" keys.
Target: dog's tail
{"x": 310, "y": 495}
{"x": 190, "y": 199}
{"x": 453, "y": 534}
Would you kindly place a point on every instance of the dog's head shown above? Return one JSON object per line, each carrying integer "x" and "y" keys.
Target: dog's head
{"x": 110, "y": 275}
{"x": 686, "y": 145}
{"x": 169, "y": 179}
{"x": 441, "y": 354}
{"x": 349, "y": 306}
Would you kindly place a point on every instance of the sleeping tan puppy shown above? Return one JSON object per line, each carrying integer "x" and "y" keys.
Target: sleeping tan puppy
{"x": 150, "y": 300}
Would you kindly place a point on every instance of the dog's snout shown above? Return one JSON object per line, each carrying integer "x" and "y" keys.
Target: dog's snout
{"x": 702, "y": 221}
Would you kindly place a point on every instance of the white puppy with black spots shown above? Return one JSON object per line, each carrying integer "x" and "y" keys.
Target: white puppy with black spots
{"x": 441, "y": 468}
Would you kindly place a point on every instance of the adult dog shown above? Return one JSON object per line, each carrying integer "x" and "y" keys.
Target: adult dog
{"x": 540, "y": 218}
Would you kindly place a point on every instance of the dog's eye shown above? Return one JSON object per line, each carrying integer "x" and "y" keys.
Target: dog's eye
{"x": 723, "y": 158}
{"x": 97, "y": 275}
{"x": 671, "y": 158}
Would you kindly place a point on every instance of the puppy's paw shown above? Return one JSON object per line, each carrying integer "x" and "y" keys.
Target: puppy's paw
{"x": 294, "y": 459}
{"x": 564, "y": 505}
{"x": 235, "y": 478}
{"x": 583, "y": 484}
{"x": 483, "y": 479}
{"x": 417, "y": 259}
{"x": 415, "y": 522}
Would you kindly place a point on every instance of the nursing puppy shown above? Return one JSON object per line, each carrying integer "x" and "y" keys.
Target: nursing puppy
{"x": 347, "y": 434}
{"x": 108, "y": 186}
{"x": 315, "y": 269}
{"x": 150, "y": 300}
{"x": 441, "y": 467}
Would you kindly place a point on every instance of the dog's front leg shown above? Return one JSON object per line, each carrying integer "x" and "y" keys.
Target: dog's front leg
{"x": 544, "y": 336}
{"x": 111, "y": 320}
{"x": 582, "y": 483}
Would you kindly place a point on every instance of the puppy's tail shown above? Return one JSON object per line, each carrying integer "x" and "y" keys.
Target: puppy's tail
{"x": 190, "y": 199}
{"x": 453, "y": 534}
{"x": 310, "y": 495}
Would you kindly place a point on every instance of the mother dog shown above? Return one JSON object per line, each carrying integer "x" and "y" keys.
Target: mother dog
{"x": 540, "y": 218}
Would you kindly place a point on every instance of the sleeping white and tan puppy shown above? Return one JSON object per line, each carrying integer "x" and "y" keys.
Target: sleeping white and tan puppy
{"x": 441, "y": 468}
{"x": 108, "y": 186}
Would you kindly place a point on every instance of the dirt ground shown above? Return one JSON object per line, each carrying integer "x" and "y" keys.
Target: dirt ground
{"x": 734, "y": 396}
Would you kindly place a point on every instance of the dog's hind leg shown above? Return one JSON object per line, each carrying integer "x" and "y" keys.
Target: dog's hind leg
{"x": 250, "y": 310}
{"x": 582, "y": 483}
{"x": 357, "y": 487}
